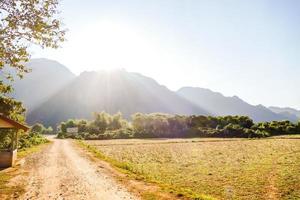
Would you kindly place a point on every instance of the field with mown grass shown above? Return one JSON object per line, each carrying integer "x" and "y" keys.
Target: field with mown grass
{"x": 211, "y": 168}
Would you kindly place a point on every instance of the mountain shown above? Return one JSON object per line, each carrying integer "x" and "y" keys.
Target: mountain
{"x": 286, "y": 111}
{"x": 46, "y": 78}
{"x": 52, "y": 93}
{"x": 218, "y": 104}
{"x": 111, "y": 91}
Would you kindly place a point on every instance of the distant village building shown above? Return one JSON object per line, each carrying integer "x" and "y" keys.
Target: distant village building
{"x": 9, "y": 156}
{"x": 73, "y": 130}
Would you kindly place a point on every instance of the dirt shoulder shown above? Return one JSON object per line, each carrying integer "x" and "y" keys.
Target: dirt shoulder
{"x": 143, "y": 189}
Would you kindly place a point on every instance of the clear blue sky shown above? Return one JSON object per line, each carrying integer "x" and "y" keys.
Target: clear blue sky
{"x": 246, "y": 48}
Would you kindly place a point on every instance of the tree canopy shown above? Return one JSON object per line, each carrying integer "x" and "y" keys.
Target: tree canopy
{"x": 22, "y": 23}
{"x": 25, "y": 22}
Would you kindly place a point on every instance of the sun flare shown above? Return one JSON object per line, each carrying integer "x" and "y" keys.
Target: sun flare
{"x": 108, "y": 45}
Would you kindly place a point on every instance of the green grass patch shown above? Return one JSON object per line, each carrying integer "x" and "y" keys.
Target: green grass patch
{"x": 27, "y": 151}
{"x": 4, "y": 178}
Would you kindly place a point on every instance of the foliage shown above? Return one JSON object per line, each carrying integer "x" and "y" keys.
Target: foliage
{"x": 31, "y": 139}
{"x": 277, "y": 127}
{"x": 162, "y": 125}
{"x": 158, "y": 125}
{"x": 103, "y": 126}
{"x": 34, "y": 137}
{"x": 14, "y": 110}
{"x": 22, "y": 22}
{"x": 5, "y": 139}
{"x": 25, "y": 22}
{"x": 39, "y": 128}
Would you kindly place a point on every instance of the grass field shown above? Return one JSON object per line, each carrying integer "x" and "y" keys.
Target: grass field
{"x": 213, "y": 168}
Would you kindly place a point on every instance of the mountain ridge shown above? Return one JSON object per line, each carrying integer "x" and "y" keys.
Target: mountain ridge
{"x": 111, "y": 92}
{"x": 46, "y": 78}
{"x": 218, "y": 104}
{"x": 72, "y": 96}
{"x": 286, "y": 111}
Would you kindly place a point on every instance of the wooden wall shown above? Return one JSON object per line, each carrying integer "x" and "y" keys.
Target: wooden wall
{"x": 8, "y": 159}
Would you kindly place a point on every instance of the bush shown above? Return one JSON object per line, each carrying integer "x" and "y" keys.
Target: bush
{"x": 39, "y": 128}
{"x": 261, "y": 133}
{"x": 5, "y": 138}
{"x": 32, "y": 139}
{"x": 61, "y": 135}
{"x": 120, "y": 134}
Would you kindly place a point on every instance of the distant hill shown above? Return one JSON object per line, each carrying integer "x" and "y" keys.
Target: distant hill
{"x": 47, "y": 78}
{"x": 52, "y": 93}
{"x": 112, "y": 91}
{"x": 218, "y": 104}
{"x": 286, "y": 111}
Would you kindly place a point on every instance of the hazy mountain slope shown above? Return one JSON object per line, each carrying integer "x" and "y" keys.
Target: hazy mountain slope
{"x": 45, "y": 79}
{"x": 112, "y": 92}
{"x": 286, "y": 111}
{"x": 218, "y": 104}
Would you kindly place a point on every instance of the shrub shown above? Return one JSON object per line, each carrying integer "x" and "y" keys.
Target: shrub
{"x": 39, "y": 128}
{"x": 61, "y": 135}
{"x": 261, "y": 133}
{"x": 119, "y": 134}
{"x": 31, "y": 139}
{"x": 34, "y": 137}
{"x": 5, "y": 138}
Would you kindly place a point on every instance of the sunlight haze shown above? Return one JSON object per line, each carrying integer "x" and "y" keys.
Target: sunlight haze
{"x": 234, "y": 47}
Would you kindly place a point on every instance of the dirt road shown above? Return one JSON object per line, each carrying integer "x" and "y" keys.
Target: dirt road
{"x": 61, "y": 172}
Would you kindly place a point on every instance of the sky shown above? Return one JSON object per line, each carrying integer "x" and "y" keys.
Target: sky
{"x": 246, "y": 48}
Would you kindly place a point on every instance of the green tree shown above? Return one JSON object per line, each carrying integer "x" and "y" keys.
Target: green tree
{"x": 22, "y": 23}
{"x": 137, "y": 120}
{"x": 14, "y": 110}
{"x": 47, "y": 131}
{"x": 82, "y": 125}
{"x": 100, "y": 123}
{"x": 25, "y": 22}
{"x": 116, "y": 121}
{"x": 63, "y": 127}
{"x": 38, "y": 128}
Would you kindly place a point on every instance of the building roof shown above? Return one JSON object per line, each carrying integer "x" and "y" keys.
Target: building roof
{"x": 6, "y": 122}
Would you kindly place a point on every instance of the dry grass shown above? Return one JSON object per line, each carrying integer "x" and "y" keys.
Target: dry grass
{"x": 212, "y": 168}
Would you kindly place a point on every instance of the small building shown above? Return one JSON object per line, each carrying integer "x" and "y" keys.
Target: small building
{"x": 8, "y": 156}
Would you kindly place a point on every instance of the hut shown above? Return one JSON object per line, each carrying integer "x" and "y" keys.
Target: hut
{"x": 9, "y": 156}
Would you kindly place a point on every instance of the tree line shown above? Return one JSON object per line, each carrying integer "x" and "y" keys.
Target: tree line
{"x": 158, "y": 125}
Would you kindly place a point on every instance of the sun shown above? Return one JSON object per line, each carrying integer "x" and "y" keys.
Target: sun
{"x": 109, "y": 45}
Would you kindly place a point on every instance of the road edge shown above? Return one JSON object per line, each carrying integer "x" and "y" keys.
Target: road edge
{"x": 134, "y": 184}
